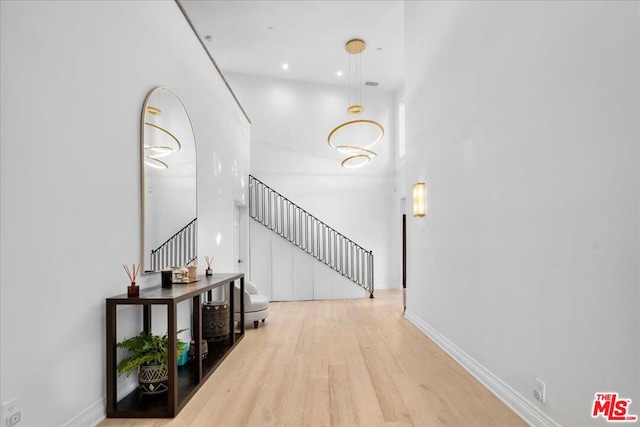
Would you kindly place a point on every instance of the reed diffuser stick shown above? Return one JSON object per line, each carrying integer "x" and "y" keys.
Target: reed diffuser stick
{"x": 133, "y": 272}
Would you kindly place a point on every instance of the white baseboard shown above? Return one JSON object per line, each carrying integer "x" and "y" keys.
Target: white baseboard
{"x": 514, "y": 400}
{"x": 95, "y": 413}
{"x": 90, "y": 417}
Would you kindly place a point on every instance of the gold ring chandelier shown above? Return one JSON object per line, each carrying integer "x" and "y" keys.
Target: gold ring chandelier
{"x": 355, "y": 137}
{"x": 153, "y": 152}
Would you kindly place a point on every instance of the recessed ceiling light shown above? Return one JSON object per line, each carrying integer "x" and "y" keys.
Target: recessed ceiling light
{"x": 379, "y": 49}
{"x": 208, "y": 38}
{"x": 269, "y": 28}
{"x": 339, "y": 73}
{"x": 285, "y": 66}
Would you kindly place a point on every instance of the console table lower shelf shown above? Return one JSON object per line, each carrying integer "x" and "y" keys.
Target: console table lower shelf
{"x": 138, "y": 405}
{"x": 184, "y": 381}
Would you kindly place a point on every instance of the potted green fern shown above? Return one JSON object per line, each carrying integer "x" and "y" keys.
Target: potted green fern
{"x": 149, "y": 356}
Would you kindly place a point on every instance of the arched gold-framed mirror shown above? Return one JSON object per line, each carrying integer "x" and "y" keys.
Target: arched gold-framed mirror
{"x": 169, "y": 183}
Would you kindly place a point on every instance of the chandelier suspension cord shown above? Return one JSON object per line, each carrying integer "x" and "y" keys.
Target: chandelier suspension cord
{"x": 359, "y": 80}
{"x": 355, "y": 79}
{"x": 350, "y": 81}
{"x": 353, "y": 76}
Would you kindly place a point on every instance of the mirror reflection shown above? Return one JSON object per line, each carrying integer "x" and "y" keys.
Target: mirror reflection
{"x": 169, "y": 191}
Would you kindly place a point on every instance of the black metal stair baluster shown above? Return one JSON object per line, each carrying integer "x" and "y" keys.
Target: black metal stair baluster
{"x": 303, "y": 223}
{"x": 339, "y": 260}
{"x": 300, "y": 228}
{"x": 313, "y": 235}
{"x": 285, "y": 211}
{"x": 334, "y": 238}
{"x": 289, "y": 224}
{"x": 278, "y": 201}
{"x": 325, "y": 244}
{"x": 353, "y": 261}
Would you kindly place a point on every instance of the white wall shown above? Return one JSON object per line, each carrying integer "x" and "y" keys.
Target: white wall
{"x": 74, "y": 76}
{"x": 289, "y": 152}
{"x": 522, "y": 118}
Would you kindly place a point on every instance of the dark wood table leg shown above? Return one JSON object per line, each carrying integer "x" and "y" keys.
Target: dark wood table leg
{"x": 172, "y": 329}
{"x": 242, "y": 305}
{"x": 232, "y": 329}
{"x": 196, "y": 326}
{"x": 112, "y": 396}
{"x": 146, "y": 318}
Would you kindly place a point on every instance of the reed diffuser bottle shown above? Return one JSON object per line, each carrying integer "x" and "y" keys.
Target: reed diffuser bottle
{"x": 133, "y": 290}
{"x": 209, "y": 271}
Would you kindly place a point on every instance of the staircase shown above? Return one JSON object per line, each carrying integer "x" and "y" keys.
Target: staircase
{"x": 300, "y": 228}
{"x": 179, "y": 250}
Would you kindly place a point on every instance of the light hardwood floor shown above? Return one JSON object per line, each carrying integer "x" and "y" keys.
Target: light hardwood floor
{"x": 338, "y": 363}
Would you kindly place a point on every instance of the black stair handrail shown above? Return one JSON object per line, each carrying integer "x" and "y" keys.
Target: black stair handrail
{"x": 307, "y": 232}
{"x": 178, "y": 250}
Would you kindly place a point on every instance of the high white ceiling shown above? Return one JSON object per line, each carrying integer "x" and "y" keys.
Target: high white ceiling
{"x": 257, "y": 37}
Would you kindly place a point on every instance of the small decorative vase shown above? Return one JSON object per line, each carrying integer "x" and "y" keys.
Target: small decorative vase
{"x": 133, "y": 290}
{"x": 167, "y": 278}
{"x": 193, "y": 274}
{"x": 152, "y": 379}
{"x": 204, "y": 349}
{"x": 184, "y": 357}
{"x": 208, "y": 271}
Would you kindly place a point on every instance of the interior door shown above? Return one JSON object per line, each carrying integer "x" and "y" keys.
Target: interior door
{"x": 404, "y": 260}
{"x": 236, "y": 239}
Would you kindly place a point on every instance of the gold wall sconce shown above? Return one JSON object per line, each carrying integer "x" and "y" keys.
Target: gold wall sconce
{"x": 419, "y": 199}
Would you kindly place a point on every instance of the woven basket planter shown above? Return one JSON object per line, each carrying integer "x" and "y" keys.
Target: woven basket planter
{"x": 152, "y": 379}
{"x": 215, "y": 321}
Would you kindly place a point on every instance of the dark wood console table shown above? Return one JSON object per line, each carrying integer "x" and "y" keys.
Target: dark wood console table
{"x": 184, "y": 381}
